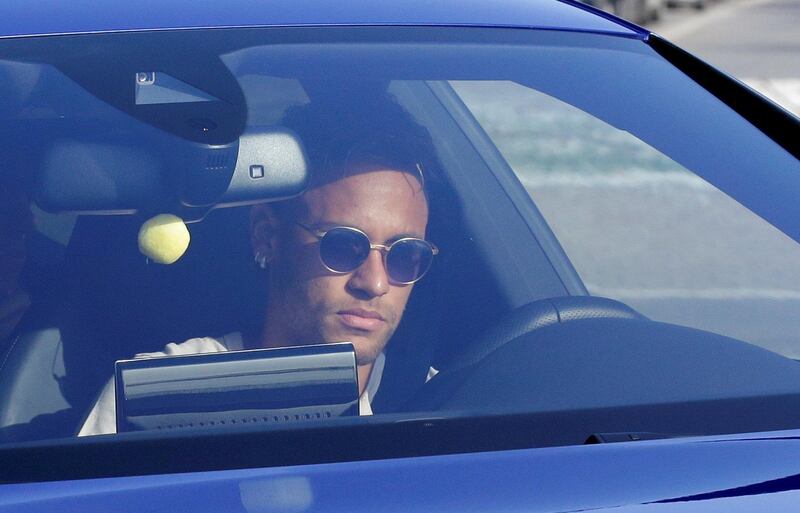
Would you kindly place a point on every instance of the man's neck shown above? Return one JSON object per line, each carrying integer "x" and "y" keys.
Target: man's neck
{"x": 363, "y": 377}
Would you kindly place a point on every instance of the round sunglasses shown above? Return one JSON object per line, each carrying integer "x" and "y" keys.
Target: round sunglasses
{"x": 342, "y": 249}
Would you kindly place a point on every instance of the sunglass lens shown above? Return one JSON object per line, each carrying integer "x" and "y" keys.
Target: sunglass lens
{"x": 408, "y": 260}
{"x": 343, "y": 250}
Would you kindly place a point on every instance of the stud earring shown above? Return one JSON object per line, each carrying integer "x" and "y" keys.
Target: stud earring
{"x": 261, "y": 260}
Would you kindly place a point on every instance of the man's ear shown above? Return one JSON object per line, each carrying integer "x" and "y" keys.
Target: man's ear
{"x": 264, "y": 230}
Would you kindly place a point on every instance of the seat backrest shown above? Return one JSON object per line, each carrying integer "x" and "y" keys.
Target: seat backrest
{"x": 35, "y": 361}
{"x": 114, "y": 304}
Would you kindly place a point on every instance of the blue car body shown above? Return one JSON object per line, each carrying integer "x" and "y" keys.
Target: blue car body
{"x": 748, "y": 472}
{"x": 756, "y": 472}
{"x": 42, "y": 18}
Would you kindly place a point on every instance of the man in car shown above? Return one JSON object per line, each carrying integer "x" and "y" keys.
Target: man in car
{"x": 342, "y": 259}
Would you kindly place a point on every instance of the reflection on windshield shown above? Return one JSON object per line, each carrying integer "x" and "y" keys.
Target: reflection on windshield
{"x": 154, "y": 87}
{"x": 412, "y": 237}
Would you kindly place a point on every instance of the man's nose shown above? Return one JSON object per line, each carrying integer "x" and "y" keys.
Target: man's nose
{"x": 370, "y": 278}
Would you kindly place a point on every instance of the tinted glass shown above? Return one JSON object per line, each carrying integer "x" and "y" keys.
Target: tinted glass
{"x": 540, "y": 164}
{"x": 640, "y": 227}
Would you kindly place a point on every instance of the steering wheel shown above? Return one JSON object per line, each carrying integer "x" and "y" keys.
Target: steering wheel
{"x": 520, "y": 321}
{"x": 537, "y": 315}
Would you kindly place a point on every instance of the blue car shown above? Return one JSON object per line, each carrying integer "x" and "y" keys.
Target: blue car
{"x": 389, "y": 256}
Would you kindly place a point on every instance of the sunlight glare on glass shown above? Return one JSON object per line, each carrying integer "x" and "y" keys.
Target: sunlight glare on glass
{"x": 160, "y": 88}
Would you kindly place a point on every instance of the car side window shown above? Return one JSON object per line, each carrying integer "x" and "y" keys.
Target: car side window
{"x": 639, "y": 227}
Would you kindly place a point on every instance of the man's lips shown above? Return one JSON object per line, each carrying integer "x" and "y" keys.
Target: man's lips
{"x": 361, "y": 319}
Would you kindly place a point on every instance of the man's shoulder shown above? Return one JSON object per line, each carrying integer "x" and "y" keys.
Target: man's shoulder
{"x": 230, "y": 342}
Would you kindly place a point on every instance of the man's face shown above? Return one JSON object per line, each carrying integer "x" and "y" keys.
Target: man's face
{"x": 314, "y": 305}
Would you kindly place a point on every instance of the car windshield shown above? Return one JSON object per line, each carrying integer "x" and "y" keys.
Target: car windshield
{"x": 499, "y": 221}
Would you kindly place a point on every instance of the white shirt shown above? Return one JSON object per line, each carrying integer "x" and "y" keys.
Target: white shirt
{"x": 102, "y": 418}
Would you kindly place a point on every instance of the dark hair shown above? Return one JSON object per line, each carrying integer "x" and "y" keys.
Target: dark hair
{"x": 345, "y": 136}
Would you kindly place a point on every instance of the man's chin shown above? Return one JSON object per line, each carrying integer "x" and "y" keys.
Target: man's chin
{"x": 367, "y": 350}
{"x": 368, "y": 344}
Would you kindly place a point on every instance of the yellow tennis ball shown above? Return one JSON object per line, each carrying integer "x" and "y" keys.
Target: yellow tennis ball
{"x": 164, "y": 238}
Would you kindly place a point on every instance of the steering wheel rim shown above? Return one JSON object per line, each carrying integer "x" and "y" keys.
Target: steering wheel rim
{"x": 520, "y": 321}
{"x": 536, "y": 315}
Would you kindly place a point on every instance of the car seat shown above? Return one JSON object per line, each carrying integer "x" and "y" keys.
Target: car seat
{"x": 113, "y": 304}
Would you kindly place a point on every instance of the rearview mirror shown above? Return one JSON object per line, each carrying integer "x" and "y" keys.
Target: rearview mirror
{"x": 139, "y": 173}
